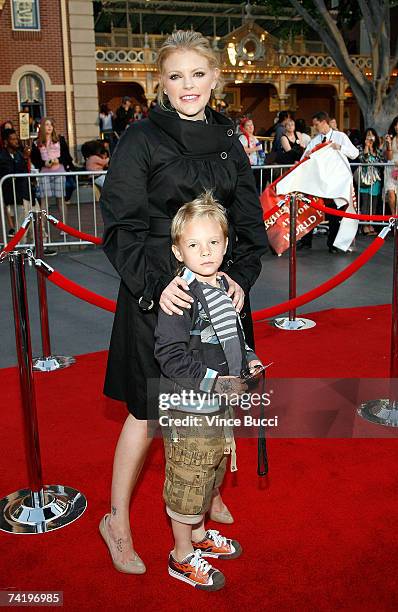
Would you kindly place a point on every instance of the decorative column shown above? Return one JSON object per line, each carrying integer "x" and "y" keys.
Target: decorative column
{"x": 84, "y": 75}
{"x": 340, "y": 112}
{"x": 283, "y": 102}
{"x": 283, "y": 97}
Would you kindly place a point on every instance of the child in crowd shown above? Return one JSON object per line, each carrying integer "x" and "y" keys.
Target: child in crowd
{"x": 203, "y": 352}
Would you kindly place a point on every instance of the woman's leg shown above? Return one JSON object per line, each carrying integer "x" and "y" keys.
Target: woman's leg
{"x": 130, "y": 453}
{"x": 391, "y": 199}
{"x": 364, "y": 208}
{"x": 10, "y": 218}
{"x": 217, "y": 503}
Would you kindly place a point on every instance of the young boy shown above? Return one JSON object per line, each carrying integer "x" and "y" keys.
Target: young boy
{"x": 201, "y": 355}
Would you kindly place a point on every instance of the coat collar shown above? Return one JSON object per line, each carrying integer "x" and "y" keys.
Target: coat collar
{"x": 195, "y": 137}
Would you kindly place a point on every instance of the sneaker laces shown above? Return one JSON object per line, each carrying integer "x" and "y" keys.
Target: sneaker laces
{"x": 200, "y": 564}
{"x": 218, "y": 539}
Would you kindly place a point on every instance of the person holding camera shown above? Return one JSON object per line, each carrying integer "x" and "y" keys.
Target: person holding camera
{"x": 370, "y": 177}
{"x": 203, "y": 352}
{"x": 391, "y": 174}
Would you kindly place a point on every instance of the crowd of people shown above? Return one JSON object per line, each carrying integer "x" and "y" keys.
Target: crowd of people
{"x": 48, "y": 154}
{"x": 292, "y": 141}
{"x": 290, "y": 137}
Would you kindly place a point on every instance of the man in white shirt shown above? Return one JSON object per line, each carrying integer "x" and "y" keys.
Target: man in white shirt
{"x": 340, "y": 142}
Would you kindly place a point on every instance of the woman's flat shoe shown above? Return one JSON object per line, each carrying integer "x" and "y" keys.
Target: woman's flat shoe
{"x": 223, "y": 516}
{"x": 135, "y": 566}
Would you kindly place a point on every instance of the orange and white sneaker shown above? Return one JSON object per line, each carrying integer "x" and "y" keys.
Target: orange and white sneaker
{"x": 197, "y": 572}
{"x": 215, "y": 545}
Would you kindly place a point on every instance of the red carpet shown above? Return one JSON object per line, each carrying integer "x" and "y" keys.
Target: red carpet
{"x": 318, "y": 533}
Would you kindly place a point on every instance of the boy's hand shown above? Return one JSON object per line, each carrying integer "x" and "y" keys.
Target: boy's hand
{"x": 230, "y": 385}
{"x": 173, "y": 296}
{"x": 236, "y": 291}
{"x": 254, "y": 362}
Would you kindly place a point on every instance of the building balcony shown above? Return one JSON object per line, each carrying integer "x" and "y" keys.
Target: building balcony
{"x": 126, "y": 55}
{"x": 321, "y": 60}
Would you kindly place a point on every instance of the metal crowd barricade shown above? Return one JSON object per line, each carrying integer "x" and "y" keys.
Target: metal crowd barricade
{"x": 81, "y": 211}
{"x": 269, "y": 173}
{"x": 359, "y": 183}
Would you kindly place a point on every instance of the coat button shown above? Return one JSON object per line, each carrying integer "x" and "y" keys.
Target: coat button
{"x": 230, "y": 132}
{"x": 223, "y": 155}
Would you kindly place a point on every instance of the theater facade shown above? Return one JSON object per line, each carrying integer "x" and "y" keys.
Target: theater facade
{"x": 57, "y": 62}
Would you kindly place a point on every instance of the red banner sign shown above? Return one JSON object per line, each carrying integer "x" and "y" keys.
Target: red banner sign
{"x": 278, "y": 224}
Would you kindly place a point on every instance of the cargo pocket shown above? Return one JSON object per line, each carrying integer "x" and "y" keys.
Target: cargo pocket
{"x": 184, "y": 489}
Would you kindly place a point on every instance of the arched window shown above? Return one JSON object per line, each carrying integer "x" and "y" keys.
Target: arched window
{"x": 31, "y": 99}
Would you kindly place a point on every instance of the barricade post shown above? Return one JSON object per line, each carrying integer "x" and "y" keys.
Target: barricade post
{"x": 385, "y": 411}
{"x": 40, "y": 508}
{"x": 291, "y": 323}
{"x": 47, "y": 362}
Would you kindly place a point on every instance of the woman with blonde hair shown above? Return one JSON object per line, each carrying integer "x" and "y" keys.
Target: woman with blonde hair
{"x": 50, "y": 153}
{"x": 181, "y": 149}
{"x": 292, "y": 144}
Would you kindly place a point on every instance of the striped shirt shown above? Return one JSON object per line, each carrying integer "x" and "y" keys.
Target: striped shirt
{"x": 222, "y": 312}
{"x": 224, "y": 321}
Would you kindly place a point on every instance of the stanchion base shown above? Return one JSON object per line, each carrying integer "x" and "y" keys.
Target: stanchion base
{"x": 295, "y": 325}
{"x": 380, "y": 411}
{"x": 51, "y": 363}
{"x": 62, "y": 505}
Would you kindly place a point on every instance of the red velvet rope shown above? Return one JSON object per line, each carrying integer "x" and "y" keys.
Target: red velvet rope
{"x": 267, "y": 313}
{"x": 98, "y": 300}
{"x": 341, "y": 213}
{"x": 80, "y": 292}
{"x": 14, "y": 241}
{"x": 74, "y": 232}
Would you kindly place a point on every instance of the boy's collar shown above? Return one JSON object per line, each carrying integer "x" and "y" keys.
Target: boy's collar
{"x": 189, "y": 276}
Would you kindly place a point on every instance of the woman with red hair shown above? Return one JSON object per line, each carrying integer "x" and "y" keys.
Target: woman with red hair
{"x": 250, "y": 143}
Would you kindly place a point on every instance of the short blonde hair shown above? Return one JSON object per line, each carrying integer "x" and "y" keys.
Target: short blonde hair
{"x": 185, "y": 40}
{"x": 204, "y": 205}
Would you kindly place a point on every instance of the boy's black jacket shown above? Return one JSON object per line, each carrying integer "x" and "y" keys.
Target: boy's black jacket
{"x": 183, "y": 356}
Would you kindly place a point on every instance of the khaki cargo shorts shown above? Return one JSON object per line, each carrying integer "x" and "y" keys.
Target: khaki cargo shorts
{"x": 195, "y": 466}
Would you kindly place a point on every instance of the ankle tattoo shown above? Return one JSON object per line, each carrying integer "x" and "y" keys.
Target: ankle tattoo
{"x": 119, "y": 545}
{"x": 113, "y": 510}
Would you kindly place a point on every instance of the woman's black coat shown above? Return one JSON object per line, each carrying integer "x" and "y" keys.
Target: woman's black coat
{"x": 159, "y": 164}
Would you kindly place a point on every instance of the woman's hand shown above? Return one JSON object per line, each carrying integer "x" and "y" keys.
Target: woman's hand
{"x": 173, "y": 296}
{"x": 236, "y": 292}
